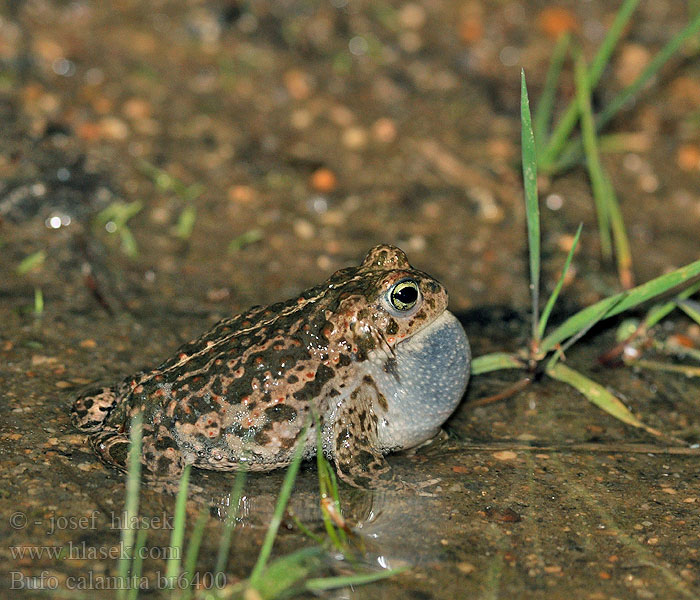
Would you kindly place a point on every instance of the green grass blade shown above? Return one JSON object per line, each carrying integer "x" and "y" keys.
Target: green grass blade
{"x": 656, "y": 313}
{"x": 186, "y": 221}
{"x": 584, "y": 329}
{"x": 177, "y": 536}
{"x": 231, "y": 516}
{"x": 245, "y": 239}
{"x": 649, "y": 71}
{"x": 195, "y": 542}
{"x": 119, "y": 213}
{"x": 38, "y": 302}
{"x": 571, "y": 153}
{"x": 285, "y": 493}
{"x": 557, "y": 289}
{"x": 598, "y": 395}
{"x": 687, "y": 370}
{"x": 595, "y": 169}
{"x": 690, "y": 308}
{"x": 328, "y": 487}
{"x": 543, "y": 113}
{"x": 497, "y": 361}
{"x": 532, "y": 209}
{"x": 602, "y": 57}
{"x": 622, "y": 302}
{"x": 607, "y": 206}
{"x": 620, "y": 239}
{"x": 567, "y": 123}
{"x": 331, "y": 583}
{"x": 131, "y": 507}
{"x": 31, "y": 262}
{"x": 305, "y": 530}
{"x": 284, "y": 573}
{"x": 581, "y": 321}
{"x": 137, "y": 565}
{"x": 656, "y": 287}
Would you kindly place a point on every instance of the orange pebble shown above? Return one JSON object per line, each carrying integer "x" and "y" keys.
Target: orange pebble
{"x": 556, "y": 20}
{"x": 688, "y": 157}
{"x": 323, "y": 180}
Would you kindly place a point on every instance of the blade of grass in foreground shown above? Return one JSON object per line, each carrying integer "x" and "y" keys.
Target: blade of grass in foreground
{"x": 330, "y": 498}
{"x": 231, "y": 516}
{"x": 172, "y": 569}
{"x": 557, "y": 289}
{"x": 495, "y": 361}
{"x": 543, "y": 112}
{"x": 285, "y": 492}
{"x": 283, "y": 574}
{"x": 331, "y": 583}
{"x": 622, "y": 302}
{"x": 137, "y": 564}
{"x": 598, "y": 395}
{"x": 195, "y": 542}
{"x": 131, "y": 508}
{"x": 567, "y": 123}
{"x": 532, "y": 209}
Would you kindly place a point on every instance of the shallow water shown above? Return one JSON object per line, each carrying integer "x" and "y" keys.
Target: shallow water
{"x": 539, "y": 496}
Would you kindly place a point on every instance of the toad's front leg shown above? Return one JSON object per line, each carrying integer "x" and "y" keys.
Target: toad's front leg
{"x": 356, "y": 453}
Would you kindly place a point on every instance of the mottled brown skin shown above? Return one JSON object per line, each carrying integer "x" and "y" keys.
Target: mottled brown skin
{"x": 244, "y": 390}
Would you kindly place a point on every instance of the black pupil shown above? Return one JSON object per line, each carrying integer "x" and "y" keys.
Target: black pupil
{"x": 407, "y": 294}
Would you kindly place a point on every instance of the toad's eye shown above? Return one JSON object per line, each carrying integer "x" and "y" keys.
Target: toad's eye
{"x": 404, "y": 295}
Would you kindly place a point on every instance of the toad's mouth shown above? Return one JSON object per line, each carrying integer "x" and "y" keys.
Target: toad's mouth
{"x": 425, "y": 383}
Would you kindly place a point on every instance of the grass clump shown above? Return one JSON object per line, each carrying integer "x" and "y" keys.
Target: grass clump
{"x": 544, "y": 352}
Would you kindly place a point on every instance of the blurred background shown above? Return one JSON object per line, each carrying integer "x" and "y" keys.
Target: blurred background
{"x": 254, "y": 147}
{"x": 164, "y": 164}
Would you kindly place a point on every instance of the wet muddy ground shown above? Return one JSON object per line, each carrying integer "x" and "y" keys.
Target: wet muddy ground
{"x": 310, "y": 132}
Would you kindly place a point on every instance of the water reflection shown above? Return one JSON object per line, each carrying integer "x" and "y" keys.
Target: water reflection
{"x": 384, "y": 526}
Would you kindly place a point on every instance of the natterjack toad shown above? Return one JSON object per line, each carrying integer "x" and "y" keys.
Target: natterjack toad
{"x": 372, "y": 351}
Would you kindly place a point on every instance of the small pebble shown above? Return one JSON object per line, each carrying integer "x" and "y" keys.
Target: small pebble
{"x": 298, "y": 84}
{"x": 136, "y": 109}
{"x": 633, "y": 58}
{"x": 323, "y": 180}
{"x": 466, "y": 568}
{"x": 241, "y": 194}
{"x": 688, "y": 157}
{"x": 412, "y": 16}
{"x": 384, "y": 130}
{"x": 354, "y": 138}
{"x": 505, "y": 455}
{"x": 554, "y": 21}
{"x": 113, "y": 128}
{"x": 303, "y": 229}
